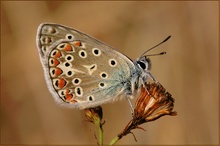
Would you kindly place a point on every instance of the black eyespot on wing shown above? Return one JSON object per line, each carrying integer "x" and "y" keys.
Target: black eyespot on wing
{"x": 67, "y": 64}
{"x": 69, "y": 58}
{"x": 90, "y": 98}
{"x": 69, "y": 73}
{"x": 69, "y": 36}
{"x": 96, "y": 52}
{"x": 76, "y": 81}
{"x": 62, "y": 46}
{"x": 78, "y": 91}
{"x": 83, "y": 54}
{"x": 112, "y": 62}
{"x": 103, "y": 75}
{"x": 102, "y": 84}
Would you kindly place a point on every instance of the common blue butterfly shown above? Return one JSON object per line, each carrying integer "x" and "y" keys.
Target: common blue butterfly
{"x": 83, "y": 72}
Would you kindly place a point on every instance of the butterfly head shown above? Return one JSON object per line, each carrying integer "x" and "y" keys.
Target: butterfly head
{"x": 144, "y": 64}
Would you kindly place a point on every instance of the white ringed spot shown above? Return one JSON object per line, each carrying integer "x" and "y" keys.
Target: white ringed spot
{"x": 53, "y": 62}
{"x": 112, "y": 62}
{"x": 61, "y": 93}
{"x": 69, "y": 36}
{"x": 56, "y": 54}
{"x": 82, "y": 54}
{"x": 90, "y": 98}
{"x": 96, "y": 52}
{"x": 69, "y": 73}
{"x": 61, "y": 46}
{"x": 79, "y": 91}
{"x": 69, "y": 58}
{"x": 67, "y": 64}
{"x": 59, "y": 83}
{"x": 76, "y": 81}
{"x": 103, "y": 75}
{"x": 55, "y": 72}
{"x": 102, "y": 85}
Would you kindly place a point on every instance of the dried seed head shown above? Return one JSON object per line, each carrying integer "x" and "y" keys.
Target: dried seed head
{"x": 94, "y": 115}
{"x": 153, "y": 103}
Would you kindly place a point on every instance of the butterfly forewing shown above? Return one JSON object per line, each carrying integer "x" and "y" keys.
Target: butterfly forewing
{"x": 80, "y": 70}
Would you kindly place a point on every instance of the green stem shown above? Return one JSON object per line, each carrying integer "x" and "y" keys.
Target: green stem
{"x": 126, "y": 131}
{"x": 114, "y": 140}
{"x": 100, "y": 134}
{"x": 98, "y": 124}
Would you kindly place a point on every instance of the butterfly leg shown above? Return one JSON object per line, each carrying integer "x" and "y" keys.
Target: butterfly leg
{"x": 151, "y": 76}
{"x": 144, "y": 82}
{"x": 131, "y": 107}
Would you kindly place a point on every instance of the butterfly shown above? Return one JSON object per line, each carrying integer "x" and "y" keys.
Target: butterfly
{"x": 83, "y": 72}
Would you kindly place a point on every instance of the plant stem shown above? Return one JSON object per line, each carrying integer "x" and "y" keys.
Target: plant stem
{"x": 100, "y": 134}
{"x": 114, "y": 140}
{"x": 126, "y": 131}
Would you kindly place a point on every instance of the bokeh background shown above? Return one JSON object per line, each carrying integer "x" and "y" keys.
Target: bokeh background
{"x": 189, "y": 70}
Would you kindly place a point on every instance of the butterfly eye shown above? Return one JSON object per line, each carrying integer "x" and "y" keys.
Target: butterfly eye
{"x": 142, "y": 65}
{"x": 69, "y": 36}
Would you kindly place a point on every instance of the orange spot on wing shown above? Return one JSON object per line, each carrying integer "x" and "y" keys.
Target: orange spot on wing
{"x": 61, "y": 83}
{"x": 78, "y": 43}
{"x": 58, "y": 72}
{"x": 56, "y": 62}
{"x": 67, "y": 91}
{"x": 68, "y": 47}
{"x": 68, "y": 97}
{"x": 58, "y": 54}
{"x": 73, "y": 101}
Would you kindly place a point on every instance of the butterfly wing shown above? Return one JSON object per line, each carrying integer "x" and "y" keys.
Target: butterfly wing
{"x": 81, "y": 71}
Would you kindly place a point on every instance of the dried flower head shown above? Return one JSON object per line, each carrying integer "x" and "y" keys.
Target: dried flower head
{"x": 153, "y": 103}
{"x": 94, "y": 115}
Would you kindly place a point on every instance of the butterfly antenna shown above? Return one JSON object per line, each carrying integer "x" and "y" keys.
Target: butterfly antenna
{"x": 161, "y": 53}
{"x": 155, "y": 47}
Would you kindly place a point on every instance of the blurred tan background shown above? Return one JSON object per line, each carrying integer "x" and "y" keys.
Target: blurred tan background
{"x": 189, "y": 70}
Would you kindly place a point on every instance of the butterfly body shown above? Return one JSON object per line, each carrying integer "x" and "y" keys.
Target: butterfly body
{"x": 83, "y": 72}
